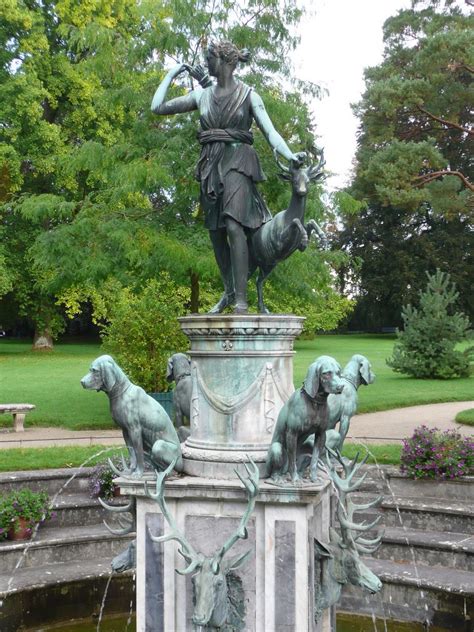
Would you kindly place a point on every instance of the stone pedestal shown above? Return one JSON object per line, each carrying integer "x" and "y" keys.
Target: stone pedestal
{"x": 242, "y": 372}
{"x": 278, "y": 579}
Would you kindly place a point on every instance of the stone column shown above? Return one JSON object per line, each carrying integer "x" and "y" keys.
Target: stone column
{"x": 242, "y": 372}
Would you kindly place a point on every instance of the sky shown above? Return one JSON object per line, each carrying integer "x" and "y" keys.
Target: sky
{"x": 339, "y": 38}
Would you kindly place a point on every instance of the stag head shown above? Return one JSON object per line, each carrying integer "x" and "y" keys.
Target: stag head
{"x": 299, "y": 175}
{"x": 210, "y": 585}
{"x": 340, "y": 558}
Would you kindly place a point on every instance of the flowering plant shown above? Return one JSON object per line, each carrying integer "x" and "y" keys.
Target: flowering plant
{"x": 430, "y": 453}
{"x": 33, "y": 507}
{"x": 101, "y": 480}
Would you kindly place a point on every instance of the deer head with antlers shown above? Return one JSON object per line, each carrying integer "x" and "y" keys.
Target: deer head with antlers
{"x": 212, "y": 574}
{"x": 339, "y": 562}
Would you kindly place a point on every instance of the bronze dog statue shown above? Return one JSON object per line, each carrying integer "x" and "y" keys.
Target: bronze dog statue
{"x": 305, "y": 413}
{"x": 146, "y": 427}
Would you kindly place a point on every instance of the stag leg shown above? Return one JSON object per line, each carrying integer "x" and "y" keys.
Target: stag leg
{"x": 262, "y": 275}
{"x": 313, "y": 227}
{"x": 302, "y": 234}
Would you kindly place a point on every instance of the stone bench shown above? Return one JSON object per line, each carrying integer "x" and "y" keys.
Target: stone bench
{"x": 19, "y": 413}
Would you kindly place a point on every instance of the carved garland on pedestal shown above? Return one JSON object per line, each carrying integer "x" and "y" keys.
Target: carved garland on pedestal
{"x": 267, "y": 378}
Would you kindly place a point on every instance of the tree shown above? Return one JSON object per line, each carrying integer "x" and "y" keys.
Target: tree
{"x": 106, "y": 188}
{"x": 412, "y": 166}
{"x": 426, "y": 346}
{"x": 416, "y": 128}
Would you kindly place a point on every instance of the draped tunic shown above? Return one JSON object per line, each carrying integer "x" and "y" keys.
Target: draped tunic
{"x": 228, "y": 167}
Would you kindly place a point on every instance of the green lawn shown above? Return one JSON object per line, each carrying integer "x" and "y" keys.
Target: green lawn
{"x": 390, "y": 390}
{"x": 466, "y": 417}
{"x": 51, "y": 380}
{"x": 15, "y": 459}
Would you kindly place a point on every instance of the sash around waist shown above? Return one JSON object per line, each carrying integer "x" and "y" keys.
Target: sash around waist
{"x": 227, "y": 135}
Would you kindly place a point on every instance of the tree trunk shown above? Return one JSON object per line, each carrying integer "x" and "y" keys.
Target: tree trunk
{"x": 42, "y": 340}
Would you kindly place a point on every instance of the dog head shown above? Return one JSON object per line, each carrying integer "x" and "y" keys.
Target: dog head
{"x": 103, "y": 374}
{"x": 178, "y": 365}
{"x": 365, "y": 370}
{"x": 323, "y": 376}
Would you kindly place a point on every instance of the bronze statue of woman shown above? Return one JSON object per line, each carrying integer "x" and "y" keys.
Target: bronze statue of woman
{"x": 228, "y": 168}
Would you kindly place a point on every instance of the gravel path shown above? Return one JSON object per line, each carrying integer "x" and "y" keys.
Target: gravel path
{"x": 399, "y": 423}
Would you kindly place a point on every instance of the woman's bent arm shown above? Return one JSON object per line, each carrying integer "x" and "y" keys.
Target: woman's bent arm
{"x": 174, "y": 106}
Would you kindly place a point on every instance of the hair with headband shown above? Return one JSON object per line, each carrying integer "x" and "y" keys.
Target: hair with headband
{"x": 229, "y": 52}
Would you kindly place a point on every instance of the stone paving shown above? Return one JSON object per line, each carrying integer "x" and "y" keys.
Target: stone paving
{"x": 379, "y": 427}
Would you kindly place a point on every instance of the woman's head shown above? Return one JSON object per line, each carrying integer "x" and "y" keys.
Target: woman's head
{"x": 224, "y": 52}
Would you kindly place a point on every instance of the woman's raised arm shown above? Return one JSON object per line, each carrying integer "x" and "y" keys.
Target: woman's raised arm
{"x": 187, "y": 103}
{"x": 273, "y": 137}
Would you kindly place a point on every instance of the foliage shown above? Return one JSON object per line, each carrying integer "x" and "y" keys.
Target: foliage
{"x": 33, "y": 507}
{"x": 430, "y": 453}
{"x": 426, "y": 347}
{"x": 413, "y": 164}
{"x": 415, "y": 110}
{"x": 391, "y": 251}
{"x": 100, "y": 190}
{"x": 143, "y": 331}
{"x": 101, "y": 480}
{"x": 466, "y": 417}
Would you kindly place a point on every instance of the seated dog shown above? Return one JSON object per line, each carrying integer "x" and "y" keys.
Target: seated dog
{"x": 146, "y": 427}
{"x": 304, "y": 414}
{"x": 342, "y": 407}
{"x": 179, "y": 370}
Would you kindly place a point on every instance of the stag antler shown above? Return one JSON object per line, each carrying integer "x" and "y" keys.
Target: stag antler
{"x": 193, "y": 558}
{"x": 251, "y": 485}
{"x": 346, "y": 507}
{"x": 126, "y": 526}
{"x": 282, "y": 166}
{"x": 316, "y": 172}
{"x": 124, "y": 472}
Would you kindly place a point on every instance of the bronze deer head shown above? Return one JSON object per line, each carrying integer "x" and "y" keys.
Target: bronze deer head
{"x": 210, "y": 579}
{"x": 339, "y": 560}
{"x": 299, "y": 176}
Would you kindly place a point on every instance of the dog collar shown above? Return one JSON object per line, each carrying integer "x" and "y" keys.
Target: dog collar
{"x": 319, "y": 398}
{"x": 120, "y": 393}
{"x": 178, "y": 379}
{"x": 348, "y": 379}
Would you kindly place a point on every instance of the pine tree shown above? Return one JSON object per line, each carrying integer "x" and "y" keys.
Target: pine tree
{"x": 427, "y": 346}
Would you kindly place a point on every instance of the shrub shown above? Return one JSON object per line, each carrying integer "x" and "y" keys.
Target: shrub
{"x": 101, "y": 480}
{"x": 144, "y": 331}
{"x": 426, "y": 347}
{"x": 33, "y": 507}
{"x": 430, "y": 453}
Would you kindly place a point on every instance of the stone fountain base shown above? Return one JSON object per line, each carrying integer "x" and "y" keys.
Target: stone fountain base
{"x": 278, "y": 578}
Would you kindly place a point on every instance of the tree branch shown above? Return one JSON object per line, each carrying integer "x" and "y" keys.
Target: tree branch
{"x": 457, "y": 65}
{"x": 466, "y": 130}
{"x": 429, "y": 177}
